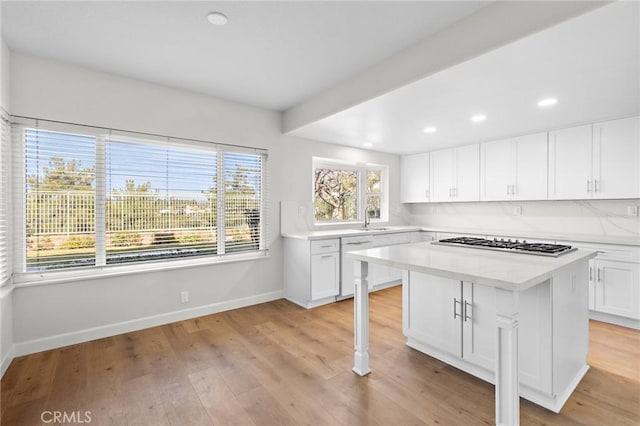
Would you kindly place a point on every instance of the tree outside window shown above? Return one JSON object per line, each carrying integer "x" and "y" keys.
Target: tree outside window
{"x": 347, "y": 194}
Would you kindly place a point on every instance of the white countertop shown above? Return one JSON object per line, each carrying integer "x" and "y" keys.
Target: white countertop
{"x": 578, "y": 238}
{"x": 511, "y": 271}
{"x": 583, "y": 238}
{"x": 357, "y": 230}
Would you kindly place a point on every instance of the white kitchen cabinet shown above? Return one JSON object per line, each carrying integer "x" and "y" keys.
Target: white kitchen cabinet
{"x": 451, "y": 320}
{"x": 616, "y": 159}
{"x": 380, "y": 276}
{"x": 614, "y": 283}
{"x": 570, "y": 159}
{"x": 454, "y": 174}
{"x": 415, "y": 178}
{"x": 434, "y": 309}
{"x": 312, "y": 271}
{"x": 616, "y": 288}
{"x": 595, "y": 161}
{"x": 514, "y": 169}
{"x": 325, "y": 275}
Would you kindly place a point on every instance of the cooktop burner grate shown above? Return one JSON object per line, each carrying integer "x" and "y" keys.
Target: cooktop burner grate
{"x": 542, "y": 249}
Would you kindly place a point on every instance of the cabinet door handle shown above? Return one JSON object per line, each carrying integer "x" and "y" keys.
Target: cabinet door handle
{"x": 508, "y": 189}
{"x": 466, "y": 317}
{"x": 598, "y": 276}
{"x": 513, "y": 189}
{"x": 588, "y": 185}
{"x": 595, "y": 185}
{"x": 455, "y": 311}
{"x": 590, "y": 273}
{"x": 426, "y": 193}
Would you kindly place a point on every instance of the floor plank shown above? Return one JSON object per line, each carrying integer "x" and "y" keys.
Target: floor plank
{"x": 278, "y": 364}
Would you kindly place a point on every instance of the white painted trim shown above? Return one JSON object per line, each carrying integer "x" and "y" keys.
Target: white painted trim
{"x": 6, "y": 290}
{"x": 6, "y": 361}
{"x": 80, "y": 336}
{"x": 615, "y": 319}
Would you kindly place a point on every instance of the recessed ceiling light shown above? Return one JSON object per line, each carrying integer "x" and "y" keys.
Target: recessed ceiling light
{"x": 367, "y": 144}
{"x": 217, "y": 18}
{"x": 547, "y": 102}
{"x": 430, "y": 129}
{"x": 478, "y": 118}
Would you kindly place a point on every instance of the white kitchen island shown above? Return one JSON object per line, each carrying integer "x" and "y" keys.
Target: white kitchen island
{"x": 464, "y": 306}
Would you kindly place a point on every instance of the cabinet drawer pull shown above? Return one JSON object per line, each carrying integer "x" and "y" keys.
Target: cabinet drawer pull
{"x": 357, "y": 243}
{"x": 466, "y": 317}
{"x": 598, "y": 275}
{"x": 327, "y": 246}
{"x": 326, "y": 256}
{"x": 455, "y": 311}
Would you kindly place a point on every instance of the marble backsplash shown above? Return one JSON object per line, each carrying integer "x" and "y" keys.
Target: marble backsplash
{"x": 605, "y": 218}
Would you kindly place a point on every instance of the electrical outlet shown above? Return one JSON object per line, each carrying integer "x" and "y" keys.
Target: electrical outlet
{"x": 184, "y": 297}
{"x": 632, "y": 211}
{"x": 517, "y": 210}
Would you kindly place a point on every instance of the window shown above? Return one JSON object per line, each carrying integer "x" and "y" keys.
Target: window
{"x": 345, "y": 193}
{"x": 95, "y": 197}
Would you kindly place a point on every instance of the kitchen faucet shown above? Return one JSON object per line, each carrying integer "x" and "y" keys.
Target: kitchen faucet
{"x": 367, "y": 219}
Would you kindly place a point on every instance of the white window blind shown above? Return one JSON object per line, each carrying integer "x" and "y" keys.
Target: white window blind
{"x": 5, "y": 227}
{"x": 98, "y": 197}
{"x": 59, "y": 199}
{"x": 160, "y": 201}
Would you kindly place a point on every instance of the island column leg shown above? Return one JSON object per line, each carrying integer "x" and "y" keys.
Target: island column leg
{"x": 506, "y": 351}
{"x": 361, "y": 318}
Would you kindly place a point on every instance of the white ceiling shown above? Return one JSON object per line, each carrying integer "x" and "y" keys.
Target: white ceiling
{"x": 591, "y": 64}
{"x": 270, "y": 54}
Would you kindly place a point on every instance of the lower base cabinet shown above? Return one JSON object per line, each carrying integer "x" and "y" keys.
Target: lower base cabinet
{"x": 455, "y": 321}
{"x": 312, "y": 271}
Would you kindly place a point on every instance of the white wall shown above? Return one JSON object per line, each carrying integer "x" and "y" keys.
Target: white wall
{"x": 54, "y": 314}
{"x": 6, "y": 295}
{"x": 602, "y": 218}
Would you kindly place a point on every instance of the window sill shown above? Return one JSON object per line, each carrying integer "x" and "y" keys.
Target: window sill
{"x": 31, "y": 279}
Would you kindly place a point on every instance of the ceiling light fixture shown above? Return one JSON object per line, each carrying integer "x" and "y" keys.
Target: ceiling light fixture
{"x": 217, "y": 18}
{"x": 547, "y": 102}
{"x": 478, "y": 118}
{"x": 367, "y": 144}
{"x": 430, "y": 129}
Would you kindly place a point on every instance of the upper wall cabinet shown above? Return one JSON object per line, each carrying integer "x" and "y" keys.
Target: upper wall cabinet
{"x": 599, "y": 161}
{"x": 616, "y": 159}
{"x": 514, "y": 169}
{"x": 415, "y": 178}
{"x": 454, "y": 174}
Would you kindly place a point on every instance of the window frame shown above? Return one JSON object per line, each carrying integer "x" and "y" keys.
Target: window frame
{"x": 361, "y": 169}
{"x": 102, "y": 268}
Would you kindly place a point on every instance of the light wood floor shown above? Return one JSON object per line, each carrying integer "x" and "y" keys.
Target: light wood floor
{"x": 276, "y": 363}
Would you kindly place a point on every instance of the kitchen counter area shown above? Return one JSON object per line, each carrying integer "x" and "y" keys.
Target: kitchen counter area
{"x": 467, "y": 308}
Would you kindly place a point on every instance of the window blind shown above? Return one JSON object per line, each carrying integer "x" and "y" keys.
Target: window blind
{"x": 161, "y": 200}
{"x": 96, "y": 197}
{"x": 5, "y": 227}
{"x": 59, "y": 199}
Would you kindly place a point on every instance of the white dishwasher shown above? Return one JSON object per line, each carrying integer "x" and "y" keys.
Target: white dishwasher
{"x": 378, "y": 274}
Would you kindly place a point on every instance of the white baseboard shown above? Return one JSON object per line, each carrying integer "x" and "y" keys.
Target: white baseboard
{"x": 80, "y": 336}
{"x": 615, "y": 319}
{"x": 6, "y": 361}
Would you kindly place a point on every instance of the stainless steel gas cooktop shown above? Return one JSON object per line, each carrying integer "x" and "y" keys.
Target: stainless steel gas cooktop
{"x": 540, "y": 249}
